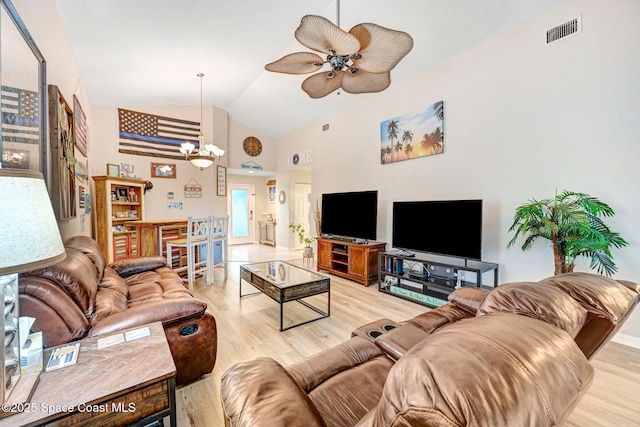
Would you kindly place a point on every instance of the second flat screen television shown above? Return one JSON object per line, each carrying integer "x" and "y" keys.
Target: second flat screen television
{"x": 352, "y": 214}
{"x": 446, "y": 227}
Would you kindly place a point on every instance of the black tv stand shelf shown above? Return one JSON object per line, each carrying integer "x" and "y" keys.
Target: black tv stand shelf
{"x": 428, "y": 279}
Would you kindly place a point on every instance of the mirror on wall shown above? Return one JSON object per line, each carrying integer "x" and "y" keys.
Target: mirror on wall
{"x": 23, "y": 95}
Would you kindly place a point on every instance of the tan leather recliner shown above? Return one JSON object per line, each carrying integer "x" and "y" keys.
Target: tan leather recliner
{"x": 81, "y": 296}
{"x": 514, "y": 356}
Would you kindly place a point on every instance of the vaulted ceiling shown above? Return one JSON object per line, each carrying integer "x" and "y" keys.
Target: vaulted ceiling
{"x": 148, "y": 52}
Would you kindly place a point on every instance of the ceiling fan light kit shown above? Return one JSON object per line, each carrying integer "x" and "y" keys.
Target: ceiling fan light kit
{"x": 360, "y": 61}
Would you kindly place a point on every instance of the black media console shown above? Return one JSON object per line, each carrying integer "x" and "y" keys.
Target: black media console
{"x": 428, "y": 279}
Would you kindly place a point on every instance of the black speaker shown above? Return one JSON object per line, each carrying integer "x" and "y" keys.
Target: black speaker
{"x": 442, "y": 281}
{"x": 440, "y": 270}
{"x": 399, "y": 266}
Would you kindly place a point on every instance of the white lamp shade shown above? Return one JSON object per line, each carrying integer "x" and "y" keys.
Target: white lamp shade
{"x": 201, "y": 162}
{"x": 29, "y": 236}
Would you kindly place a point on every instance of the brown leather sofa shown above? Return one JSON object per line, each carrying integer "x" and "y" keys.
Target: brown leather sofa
{"x": 515, "y": 356}
{"x": 82, "y": 296}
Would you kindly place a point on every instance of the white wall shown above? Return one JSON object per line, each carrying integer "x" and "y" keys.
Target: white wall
{"x": 237, "y": 134}
{"x": 521, "y": 120}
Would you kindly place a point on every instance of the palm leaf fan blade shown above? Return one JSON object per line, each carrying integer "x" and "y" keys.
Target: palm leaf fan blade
{"x": 380, "y": 47}
{"x": 320, "y": 34}
{"x": 296, "y": 63}
{"x": 320, "y": 84}
{"x": 365, "y": 82}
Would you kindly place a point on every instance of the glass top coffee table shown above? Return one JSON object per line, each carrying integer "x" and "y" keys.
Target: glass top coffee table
{"x": 284, "y": 282}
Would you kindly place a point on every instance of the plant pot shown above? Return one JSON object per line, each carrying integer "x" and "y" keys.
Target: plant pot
{"x": 308, "y": 252}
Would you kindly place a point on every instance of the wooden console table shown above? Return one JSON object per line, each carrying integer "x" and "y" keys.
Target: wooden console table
{"x": 132, "y": 383}
{"x": 267, "y": 232}
{"x": 354, "y": 261}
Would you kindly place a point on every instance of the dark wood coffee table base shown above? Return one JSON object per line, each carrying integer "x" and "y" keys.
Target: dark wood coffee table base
{"x": 304, "y": 284}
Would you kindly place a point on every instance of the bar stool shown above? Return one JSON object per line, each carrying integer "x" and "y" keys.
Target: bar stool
{"x": 198, "y": 237}
{"x": 218, "y": 235}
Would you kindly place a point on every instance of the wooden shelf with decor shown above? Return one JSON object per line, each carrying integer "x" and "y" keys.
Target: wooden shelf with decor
{"x": 118, "y": 201}
{"x": 353, "y": 261}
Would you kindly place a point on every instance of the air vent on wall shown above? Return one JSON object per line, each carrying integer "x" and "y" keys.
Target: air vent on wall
{"x": 565, "y": 30}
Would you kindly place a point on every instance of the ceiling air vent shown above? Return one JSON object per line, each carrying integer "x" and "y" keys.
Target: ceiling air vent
{"x": 565, "y": 30}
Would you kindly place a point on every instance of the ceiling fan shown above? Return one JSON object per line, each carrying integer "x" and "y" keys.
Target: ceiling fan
{"x": 360, "y": 61}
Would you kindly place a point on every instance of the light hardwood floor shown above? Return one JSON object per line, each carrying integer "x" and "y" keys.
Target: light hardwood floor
{"x": 248, "y": 328}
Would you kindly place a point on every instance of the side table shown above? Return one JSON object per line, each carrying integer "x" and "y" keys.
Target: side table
{"x": 131, "y": 383}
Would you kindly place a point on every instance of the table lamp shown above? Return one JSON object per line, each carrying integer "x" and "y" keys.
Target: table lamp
{"x": 29, "y": 239}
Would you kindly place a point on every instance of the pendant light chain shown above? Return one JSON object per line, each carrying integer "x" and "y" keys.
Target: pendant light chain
{"x": 201, "y": 140}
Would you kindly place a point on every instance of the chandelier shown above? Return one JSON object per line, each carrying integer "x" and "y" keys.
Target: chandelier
{"x": 208, "y": 153}
{"x": 360, "y": 61}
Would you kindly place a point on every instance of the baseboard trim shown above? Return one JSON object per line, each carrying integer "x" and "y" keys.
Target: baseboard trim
{"x": 629, "y": 340}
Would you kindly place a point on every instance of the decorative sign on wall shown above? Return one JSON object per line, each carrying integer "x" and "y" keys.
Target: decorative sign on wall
{"x": 222, "y": 181}
{"x": 192, "y": 190}
{"x": 87, "y": 203}
{"x": 126, "y": 169}
{"x": 81, "y": 171}
{"x": 63, "y": 174}
{"x": 174, "y": 205}
{"x": 301, "y": 158}
{"x": 81, "y": 196}
{"x": 413, "y": 135}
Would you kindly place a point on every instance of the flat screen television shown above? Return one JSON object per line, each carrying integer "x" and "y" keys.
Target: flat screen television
{"x": 443, "y": 227}
{"x": 353, "y": 214}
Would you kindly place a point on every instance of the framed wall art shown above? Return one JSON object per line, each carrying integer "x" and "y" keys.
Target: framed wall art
{"x": 163, "y": 170}
{"x": 221, "y": 180}
{"x": 271, "y": 190}
{"x": 413, "y": 135}
{"x": 24, "y": 95}
{"x": 113, "y": 170}
{"x": 63, "y": 174}
{"x": 79, "y": 127}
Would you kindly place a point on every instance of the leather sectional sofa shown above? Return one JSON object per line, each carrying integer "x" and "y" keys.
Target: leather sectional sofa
{"x": 517, "y": 355}
{"x": 82, "y": 296}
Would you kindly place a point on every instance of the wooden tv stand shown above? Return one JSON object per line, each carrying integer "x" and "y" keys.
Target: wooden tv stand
{"x": 353, "y": 261}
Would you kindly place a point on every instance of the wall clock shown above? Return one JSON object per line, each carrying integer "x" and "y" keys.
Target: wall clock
{"x": 252, "y": 146}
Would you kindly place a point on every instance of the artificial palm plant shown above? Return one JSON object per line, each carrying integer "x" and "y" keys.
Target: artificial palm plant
{"x": 572, "y": 222}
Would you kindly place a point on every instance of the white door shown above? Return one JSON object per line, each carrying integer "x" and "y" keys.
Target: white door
{"x": 302, "y": 208}
{"x": 241, "y": 213}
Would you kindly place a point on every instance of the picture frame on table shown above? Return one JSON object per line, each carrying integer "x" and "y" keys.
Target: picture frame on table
{"x": 122, "y": 194}
{"x": 113, "y": 170}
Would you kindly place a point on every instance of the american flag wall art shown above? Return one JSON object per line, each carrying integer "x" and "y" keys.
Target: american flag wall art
{"x": 150, "y": 135}
{"x": 20, "y": 126}
{"x": 80, "y": 126}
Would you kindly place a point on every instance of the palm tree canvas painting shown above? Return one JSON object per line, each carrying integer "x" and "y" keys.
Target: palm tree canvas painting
{"x": 413, "y": 135}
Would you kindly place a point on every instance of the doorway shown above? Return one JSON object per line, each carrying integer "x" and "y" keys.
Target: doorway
{"x": 302, "y": 209}
{"x": 241, "y": 202}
